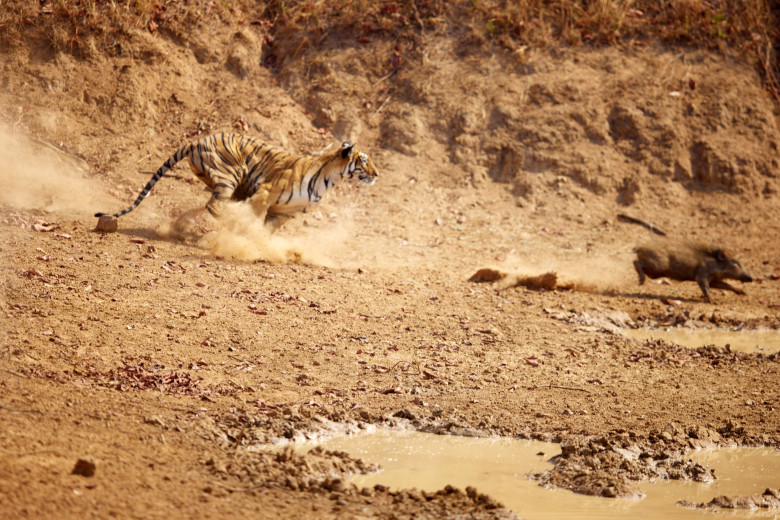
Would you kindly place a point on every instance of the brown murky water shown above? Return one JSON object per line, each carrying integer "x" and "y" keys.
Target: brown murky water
{"x": 763, "y": 340}
{"x": 498, "y": 467}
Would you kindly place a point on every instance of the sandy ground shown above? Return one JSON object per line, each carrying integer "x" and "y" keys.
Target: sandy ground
{"x": 162, "y": 353}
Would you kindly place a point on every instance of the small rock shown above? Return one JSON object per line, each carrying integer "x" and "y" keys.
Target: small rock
{"x": 85, "y": 468}
{"x": 107, "y": 224}
{"x": 335, "y": 485}
{"x": 155, "y": 420}
{"x": 405, "y": 414}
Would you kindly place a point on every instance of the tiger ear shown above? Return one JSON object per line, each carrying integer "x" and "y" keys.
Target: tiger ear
{"x": 346, "y": 149}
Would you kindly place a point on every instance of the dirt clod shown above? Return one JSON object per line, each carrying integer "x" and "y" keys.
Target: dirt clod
{"x": 107, "y": 224}
{"x": 769, "y": 499}
{"x": 84, "y": 467}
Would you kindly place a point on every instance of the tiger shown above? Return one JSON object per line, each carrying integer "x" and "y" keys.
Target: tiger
{"x": 276, "y": 184}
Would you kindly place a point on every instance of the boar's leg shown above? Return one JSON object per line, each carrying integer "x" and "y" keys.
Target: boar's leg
{"x": 704, "y": 283}
{"x": 720, "y": 284}
{"x": 639, "y": 266}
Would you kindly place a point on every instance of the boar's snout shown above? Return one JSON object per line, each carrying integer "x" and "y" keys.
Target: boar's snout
{"x": 739, "y": 272}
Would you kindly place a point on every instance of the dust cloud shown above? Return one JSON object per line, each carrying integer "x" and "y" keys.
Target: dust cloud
{"x": 36, "y": 176}
{"x": 599, "y": 273}
{"x": 240, "y": 235}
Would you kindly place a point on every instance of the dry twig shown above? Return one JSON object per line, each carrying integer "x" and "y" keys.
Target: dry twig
{"x": 408, "y": 363}
{"x": 633, "y": 220}
{"x": 4, "y": 407}
{"x": 560, "y": 387}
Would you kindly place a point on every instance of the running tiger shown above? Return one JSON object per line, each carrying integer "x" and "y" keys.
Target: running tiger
{"x": 276, "y": 184}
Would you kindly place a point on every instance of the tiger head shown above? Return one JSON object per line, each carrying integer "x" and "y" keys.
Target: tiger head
{"x": 359, "y": 163}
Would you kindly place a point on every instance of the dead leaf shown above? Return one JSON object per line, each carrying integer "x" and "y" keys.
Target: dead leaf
{"x": 430, "y": 375}
{"x": 43, "y": 226}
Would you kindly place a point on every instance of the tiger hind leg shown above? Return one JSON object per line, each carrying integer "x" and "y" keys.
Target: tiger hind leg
{"x": 222, "y": 191}
{"x": 260, "y": 207}
{"x": 213, "y": 205}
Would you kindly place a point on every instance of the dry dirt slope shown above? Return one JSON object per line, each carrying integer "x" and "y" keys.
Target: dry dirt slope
{"x": 163, "y": 359}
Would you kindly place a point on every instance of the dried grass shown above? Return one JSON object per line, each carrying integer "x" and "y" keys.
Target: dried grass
{"x": 77, "y": 26}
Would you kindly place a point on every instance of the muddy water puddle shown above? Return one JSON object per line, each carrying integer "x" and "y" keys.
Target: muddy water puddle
{"x": 765, "y": 341}
{"x": 498, "y": 467}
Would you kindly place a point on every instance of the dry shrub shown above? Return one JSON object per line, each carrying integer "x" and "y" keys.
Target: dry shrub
{"x": 749, "y": 26}
{"x": 81, "y": 27}
{"x": 610, "y": 21}
{"x": 365, "y": 16}
{"x": 531, "y": 21}
{"x": 77, "y": 26}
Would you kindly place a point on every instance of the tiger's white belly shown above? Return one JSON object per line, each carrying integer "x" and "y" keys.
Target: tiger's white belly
{"x": 301, "y": 198}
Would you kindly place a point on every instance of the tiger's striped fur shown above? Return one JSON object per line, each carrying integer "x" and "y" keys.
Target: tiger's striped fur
{"x": 276, "y": 184}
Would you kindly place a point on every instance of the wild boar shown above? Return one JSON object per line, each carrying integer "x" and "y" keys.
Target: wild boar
{"x": 679, "y": 260}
